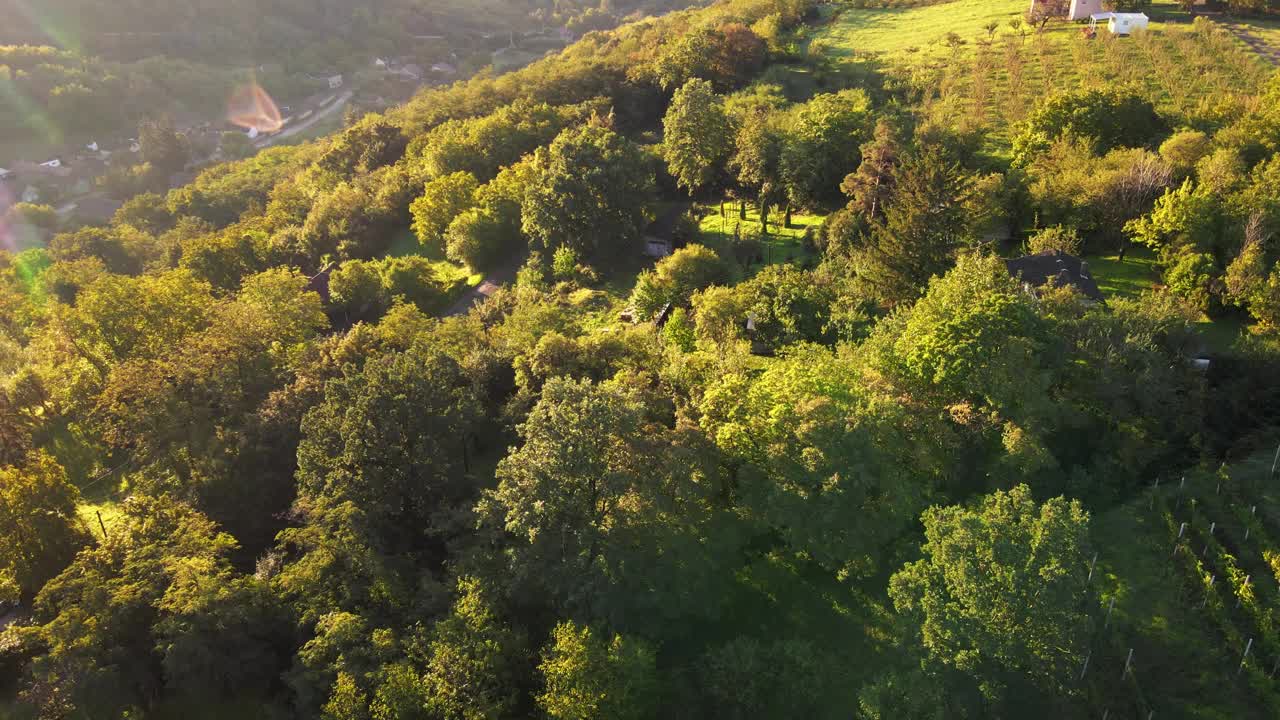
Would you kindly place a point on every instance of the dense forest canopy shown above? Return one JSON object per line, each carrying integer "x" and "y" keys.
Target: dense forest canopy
{"x": 681, "y": 373}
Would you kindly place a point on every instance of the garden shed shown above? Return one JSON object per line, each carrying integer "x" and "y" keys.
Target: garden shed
{"x": 1120, "y": 23}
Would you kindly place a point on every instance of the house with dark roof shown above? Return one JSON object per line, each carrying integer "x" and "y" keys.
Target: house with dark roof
{"x": 1056, "y": 268}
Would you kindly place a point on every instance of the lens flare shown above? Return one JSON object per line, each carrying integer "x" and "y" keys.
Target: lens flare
{"x": 58, "y": 28}
{"x": 251, "y": 108}
{"x": 16, "y": 234}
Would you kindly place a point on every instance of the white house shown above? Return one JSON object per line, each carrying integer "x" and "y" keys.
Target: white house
{"x": 335, "y": 82}
{"x": 4, "y": 174}
{"x": 92, "y": 147}
{"x": 31, "y": 194}
{"x": 1084, "y": 9}
{"x": 1120, "y": 23}
{"x": 54, "y": 163}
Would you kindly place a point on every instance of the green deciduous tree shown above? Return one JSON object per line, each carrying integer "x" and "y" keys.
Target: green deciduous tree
{"x": 676, "y": 277}
{"x": 39, "y": 527}
{"x": 593, "y": 193}
{"x": 823, "y": 146}
{"x": 1253, "y": 280}
{"x": 757, "y": 157}
{"x": 1185, "y": 216}
{"x": 1058, "y": 238}
{"x": 819, "y": 457}
{"x": 443, "y": 199}
{"x": 726, "y": 56}
{"x": 477, "y": 239}
{"x": 588, "y": 676}
{"x": 392, "y": 438}
{"x": 475, "y": 667}
{"x": 162, "y": 147}
{"x": 155, "y": 605}
{"x": 562, "y": 493}
{"x": 697, "y": 136}
{"x": 1108, "y": 118}
{"x": 364, "y": 147}
{"x": 1000, "y": 592}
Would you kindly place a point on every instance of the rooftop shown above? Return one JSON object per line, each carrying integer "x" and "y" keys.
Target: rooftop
{"x": 1055, "y": 268}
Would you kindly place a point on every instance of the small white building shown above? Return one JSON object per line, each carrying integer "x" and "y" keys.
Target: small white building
{"x": 52, "y": 164}
{"x": 1120, "y": 23}
{"x": 1084, "y": 9}
{"x": 31, "y": 195}
{"x": 5, "y": 174}
{"x": 335, "y": 82}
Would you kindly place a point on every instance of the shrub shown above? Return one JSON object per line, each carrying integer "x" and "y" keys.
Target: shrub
{"x": 1059, "y": 237}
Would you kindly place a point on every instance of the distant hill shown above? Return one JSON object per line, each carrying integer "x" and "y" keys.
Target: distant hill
{"x": 243, "y": 32}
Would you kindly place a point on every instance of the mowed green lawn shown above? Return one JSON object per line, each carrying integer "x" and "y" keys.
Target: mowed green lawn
{"x": 1127, "y": 279}
{"x": 895, "y": 31}
{"x": 1138, "y": 273}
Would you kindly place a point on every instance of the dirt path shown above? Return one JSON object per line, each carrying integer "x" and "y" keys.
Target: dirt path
{"x": 482, "y": 292}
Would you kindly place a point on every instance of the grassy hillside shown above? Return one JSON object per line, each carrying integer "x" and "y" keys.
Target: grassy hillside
{"x": 992, "y": 80}
{"x": 901, "y": 32}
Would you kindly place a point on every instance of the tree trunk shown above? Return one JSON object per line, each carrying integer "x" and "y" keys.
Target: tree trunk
{"x": 764, "y": 218}
{"x": 786, "y": 218}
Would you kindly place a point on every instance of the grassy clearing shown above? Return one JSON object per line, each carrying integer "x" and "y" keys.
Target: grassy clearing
{"x": 1138, "y": 273}
{"x": 781, "y": 244}
{"x": 89, "y": 511}
{"x": 1127, "y": 279}
{"x": 904, "y": 32}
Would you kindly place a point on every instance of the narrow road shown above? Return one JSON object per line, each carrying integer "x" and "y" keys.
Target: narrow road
{"x": 333, "y": 107}
{"x": 478, "y": 294}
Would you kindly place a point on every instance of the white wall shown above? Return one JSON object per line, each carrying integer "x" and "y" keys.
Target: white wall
{"x": 1082, "y": 9}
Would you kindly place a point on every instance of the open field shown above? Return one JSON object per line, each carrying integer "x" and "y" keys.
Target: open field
{"x": 903, "y": 32}
{"x": 991, "y": 82}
